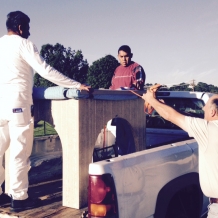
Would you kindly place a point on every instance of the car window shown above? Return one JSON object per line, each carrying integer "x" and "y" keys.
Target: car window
{"x": 187, "y": 106}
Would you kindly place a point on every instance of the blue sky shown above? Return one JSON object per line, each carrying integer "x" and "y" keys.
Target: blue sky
{"x": 174, "y": 41}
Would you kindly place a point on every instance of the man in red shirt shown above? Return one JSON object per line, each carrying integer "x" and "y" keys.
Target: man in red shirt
{"x": 129, "y": 75}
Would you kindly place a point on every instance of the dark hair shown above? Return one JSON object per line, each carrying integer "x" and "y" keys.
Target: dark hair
{"x": 16, "y": 18}
{"x": 125, "y": 48}
{"x": 214, "y": 102}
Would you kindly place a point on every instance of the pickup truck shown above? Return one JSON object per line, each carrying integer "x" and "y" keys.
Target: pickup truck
{"x": 161, "y": 181}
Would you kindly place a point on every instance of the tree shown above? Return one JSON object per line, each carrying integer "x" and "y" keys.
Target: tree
{"x": 213, "y": 89}
{"x": 68, "y": 62}
{"x": 101, "y": 71}
{"x": 180, "y": 87}
{"x": 202, "y": 87}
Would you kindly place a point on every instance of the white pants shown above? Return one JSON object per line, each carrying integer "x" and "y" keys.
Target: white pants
{"x": 16, "y": 130}
{"x": 212, "y": 211}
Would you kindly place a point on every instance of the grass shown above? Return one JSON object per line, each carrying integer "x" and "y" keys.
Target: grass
{"x": 43, "y": 128}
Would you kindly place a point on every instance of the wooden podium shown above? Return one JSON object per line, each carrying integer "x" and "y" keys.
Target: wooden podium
{"x": 78, "y": 123}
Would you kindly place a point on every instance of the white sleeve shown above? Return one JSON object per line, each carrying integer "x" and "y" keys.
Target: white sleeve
{"x": 36, "y": 61}
{"x": 198, "y": 128}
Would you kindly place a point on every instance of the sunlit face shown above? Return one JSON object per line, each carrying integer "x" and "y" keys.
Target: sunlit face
{"x": 124, "y": 58}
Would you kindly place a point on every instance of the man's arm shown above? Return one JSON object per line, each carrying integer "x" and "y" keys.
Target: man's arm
{"x": 139, "y": 79}
{"x": 165, "y": 111}
{"x": 36, "y": 61}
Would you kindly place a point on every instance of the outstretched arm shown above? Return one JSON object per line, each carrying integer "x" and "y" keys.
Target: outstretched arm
{"x": 36, "y": 61}
{"x": 165, "y": 111}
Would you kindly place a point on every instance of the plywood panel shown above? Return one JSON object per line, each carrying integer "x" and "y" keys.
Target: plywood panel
{"x": 78, "y": 123}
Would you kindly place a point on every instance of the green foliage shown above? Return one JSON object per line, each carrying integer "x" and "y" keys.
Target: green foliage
{"x": 203, "y": 87}
{"x": 200, "y": 87}
{"x": 43, "y": 128}
{"x": 180, "y": 87}
{"x": 68, "y": 62}
{"x": 41, "y": 82}
{"x": 101, "y": 71}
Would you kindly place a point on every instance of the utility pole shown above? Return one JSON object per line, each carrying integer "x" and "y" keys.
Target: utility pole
{"x": 192, "y": 84}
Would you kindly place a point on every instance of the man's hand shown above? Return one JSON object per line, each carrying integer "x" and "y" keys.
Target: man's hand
{"x": 139, "y": 84}
{"x": 167, "y": 112}
{"x": 84, "y": 87}
{"x": 150, "y": 94}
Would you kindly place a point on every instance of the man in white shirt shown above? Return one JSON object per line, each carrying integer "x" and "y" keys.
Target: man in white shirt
{"x": 205, "y": 132}
{"x": 19, "y": 58}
